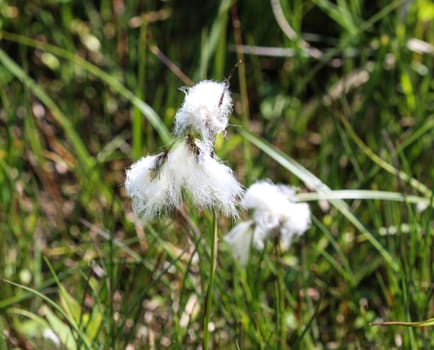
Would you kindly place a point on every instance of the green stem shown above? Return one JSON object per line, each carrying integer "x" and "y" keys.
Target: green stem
{"x": 280, "y": 299}
{"x": 137, "y": 118}
{"x": 245, "y": 113}
{"x": 209, "y": 292}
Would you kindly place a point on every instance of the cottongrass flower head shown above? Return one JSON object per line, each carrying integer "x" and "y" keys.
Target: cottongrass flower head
{"x": 275, "y": 214}
{"x": 158, "y": 183}
{"x": 239, "y": 239}
{"x": 209, "y": 182}
{"x": 206, "y": 109}
{"x": 151, "y": 186}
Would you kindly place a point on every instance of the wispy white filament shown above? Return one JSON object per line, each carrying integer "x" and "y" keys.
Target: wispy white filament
{"x": 152, "y": 187}
{"x": 239, "y": 239}
{"x": 156, "y": 183}
{"x": 206, "y": 110}
{"x": 210, "y": 183}
{"x": 213, "y": 184}
{"x": 274, "y": 212}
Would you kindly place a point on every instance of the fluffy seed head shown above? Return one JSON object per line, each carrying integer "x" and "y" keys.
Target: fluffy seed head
{"x": 156, "y": 183}
{"x": 239, "y": 239}
{"x": 210, "y": 183}
{"x": 151, "y": 186}
{"x": 274, "y": 212}
{"x": 205, "y": 110}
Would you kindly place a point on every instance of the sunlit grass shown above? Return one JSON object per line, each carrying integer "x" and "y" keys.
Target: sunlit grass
{"x": 84, "y": 93}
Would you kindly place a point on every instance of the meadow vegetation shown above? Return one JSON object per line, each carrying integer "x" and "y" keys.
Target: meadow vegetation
{"x": 333, "y": 97}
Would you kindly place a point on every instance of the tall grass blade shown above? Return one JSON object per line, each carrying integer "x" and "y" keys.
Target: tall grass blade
{"x": 210, "y": 289}
{"x": 426, "y": 323}
{"x": 364, "y": 195}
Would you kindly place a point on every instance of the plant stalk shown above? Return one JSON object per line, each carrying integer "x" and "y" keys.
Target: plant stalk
{"x": 209, "y": 292}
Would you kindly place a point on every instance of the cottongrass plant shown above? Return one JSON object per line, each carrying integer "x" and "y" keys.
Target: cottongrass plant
{"x": 275, "y": 215}
{"x": 159, "y": 183}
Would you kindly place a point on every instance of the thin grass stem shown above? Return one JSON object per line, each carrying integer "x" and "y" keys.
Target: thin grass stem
{"x": 209, "y": 292}
{"x": 280, "y": 291}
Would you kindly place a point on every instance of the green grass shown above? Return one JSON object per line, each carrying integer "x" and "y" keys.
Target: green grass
{"x": 85, "y": 90}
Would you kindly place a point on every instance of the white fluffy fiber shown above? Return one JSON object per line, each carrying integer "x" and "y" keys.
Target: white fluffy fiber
{"x": 274, "y": 211}
{"x": 239, "y": 239}
{"x": 206, "y": 109}
{"x": 210, "y": 183}
{"x": 156, "y": 184}
{"x": 274, "y": 207}
{"x": 213, "y": 184}
{"x": 295, "y": 224}
{"x": 268, "y": 199}
{"x": 187, "y": 167}
{"x": 152, "y": 191}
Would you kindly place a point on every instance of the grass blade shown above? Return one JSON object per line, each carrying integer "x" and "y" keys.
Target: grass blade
{"x": 426, "y": 323}
{"x": 211, "y": 282}
{"x": 70, "y": 321}
{"x": 364, "y": 194}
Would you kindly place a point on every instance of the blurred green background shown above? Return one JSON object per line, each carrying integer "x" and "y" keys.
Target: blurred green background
{"x": 87, "y": 87}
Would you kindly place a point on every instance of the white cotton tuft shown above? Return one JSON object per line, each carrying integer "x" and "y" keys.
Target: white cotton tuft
{"x": 239, "y": 239}
{"x": 205, "y": 110}
{"x": 156, "y": 183}
{"x": 181, "y": 163}
{"x": 151, "y": 186}
{"x": 219, "y": 181}
{"x": 139, "y": 174}
{"x": 266, "y": 197}
{"x": 274, "y": 210}
{"x": 210, "y": 183}
{"x": 260, "y": 235}
{"x": 296, "y": 224}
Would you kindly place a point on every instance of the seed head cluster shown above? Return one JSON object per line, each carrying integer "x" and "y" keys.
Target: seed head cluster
{"x": 275, "y": 214}
{"x": 158, "y": 183}
{"x": 190, "y": 169}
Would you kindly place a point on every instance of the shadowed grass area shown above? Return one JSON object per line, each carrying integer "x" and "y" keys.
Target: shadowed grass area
{"x": 336, "y": 98}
